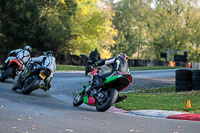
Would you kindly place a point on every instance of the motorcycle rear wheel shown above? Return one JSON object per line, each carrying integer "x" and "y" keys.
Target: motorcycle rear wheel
{"x": 110, "y": 100}
{"x": 78, "y": 100}
{"x": 30, "y": 85}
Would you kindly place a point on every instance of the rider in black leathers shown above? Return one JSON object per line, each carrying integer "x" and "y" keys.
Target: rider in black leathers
{"x": 119, "y": 64}
{"x": 94, "y": 55}
{"x": 92, "y": 59}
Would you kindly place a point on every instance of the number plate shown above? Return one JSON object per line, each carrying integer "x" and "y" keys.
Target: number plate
{"x": 42, "y": 75}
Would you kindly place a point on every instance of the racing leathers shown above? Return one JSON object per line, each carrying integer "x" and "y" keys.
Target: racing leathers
{"x": 119, "y": 65}
{"x": 50, "y": 63}
{"x": 21, "y": 54}
{"x": 94, "y": 56}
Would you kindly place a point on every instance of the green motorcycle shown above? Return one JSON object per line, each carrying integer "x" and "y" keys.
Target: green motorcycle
{"x": 105, "y": 97}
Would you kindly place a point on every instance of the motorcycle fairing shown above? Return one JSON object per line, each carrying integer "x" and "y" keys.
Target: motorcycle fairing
{"x": 84, "y": 88}
{"x": 119, "y": 82}
{"x": 16, "y": 61}
{"x": 109, "y": 79}
{"x": 89, "y": 100}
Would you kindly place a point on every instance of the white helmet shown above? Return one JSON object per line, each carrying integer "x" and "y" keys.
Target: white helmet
{"x": 49, "y": 53}
{"x": 28, "y": 48}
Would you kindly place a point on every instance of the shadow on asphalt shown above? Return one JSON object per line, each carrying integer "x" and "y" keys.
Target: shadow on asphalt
{"x": 9, "y": 81}
{"x": 40, "y": 99}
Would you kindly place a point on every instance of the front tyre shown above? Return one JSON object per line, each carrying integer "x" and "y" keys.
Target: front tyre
{"x": 30, "y": 85}
{"x": 108, "y": 101}
{"x": 6, "y": 74}
{"x": 78, "y": 100}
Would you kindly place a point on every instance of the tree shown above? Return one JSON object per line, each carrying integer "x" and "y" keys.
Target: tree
{"x": 92, "y": 28}
{"x": 130, "y": 20}
{"x": 148, "y": 27}
{"x": 36, "y": 23}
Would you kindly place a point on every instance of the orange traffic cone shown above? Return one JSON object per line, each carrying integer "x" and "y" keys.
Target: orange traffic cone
{"x": 188, "y": 104}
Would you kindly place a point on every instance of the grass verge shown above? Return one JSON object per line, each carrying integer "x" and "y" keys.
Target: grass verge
{"x": 152, "y": 68}
{"x": 69, "y": 68}
{"x": 162, "y": 99}
{"x": 82, "y": 68}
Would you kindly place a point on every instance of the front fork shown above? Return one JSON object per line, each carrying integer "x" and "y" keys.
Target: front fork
{"x": 84, "y": 89}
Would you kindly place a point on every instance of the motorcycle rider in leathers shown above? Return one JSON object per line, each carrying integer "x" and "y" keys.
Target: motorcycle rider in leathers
{"x": 48, "y": 61}
{"x": 22, "y": 54}
{"x": 119, "y": 64}
{"x": 94, "y": 55}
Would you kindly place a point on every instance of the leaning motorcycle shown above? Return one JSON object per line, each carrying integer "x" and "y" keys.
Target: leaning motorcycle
{"x": 103, "y": 98}
{"x": 13, "y": 68}
{"x": 31, "y": 77}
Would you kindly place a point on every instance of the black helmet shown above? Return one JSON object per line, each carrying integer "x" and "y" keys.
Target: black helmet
{"x": 28, "y": 48}
{"x": 48, "y": 53}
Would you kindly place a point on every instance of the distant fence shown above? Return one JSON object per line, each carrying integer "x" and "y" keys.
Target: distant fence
{"x": 82, "y": 59}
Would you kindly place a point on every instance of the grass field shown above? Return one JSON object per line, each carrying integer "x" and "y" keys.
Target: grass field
{"x": 162, "y": 99}
{"x": 82, "y": 68}
{"x": 69, "y": 68}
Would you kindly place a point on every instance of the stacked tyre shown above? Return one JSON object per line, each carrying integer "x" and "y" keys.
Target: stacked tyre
{"x": 196, "y": 79}
{"x": 183, "y": 80}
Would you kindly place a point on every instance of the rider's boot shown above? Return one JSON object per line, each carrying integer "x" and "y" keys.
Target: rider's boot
{"x": 16, "y": 86}
{"x": 121, "y": 98}
{"x": 45, "y": 86}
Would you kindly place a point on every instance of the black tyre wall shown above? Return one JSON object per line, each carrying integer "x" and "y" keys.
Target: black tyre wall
{"x": 183, "y": 80}
{"x": 196, "y": 79}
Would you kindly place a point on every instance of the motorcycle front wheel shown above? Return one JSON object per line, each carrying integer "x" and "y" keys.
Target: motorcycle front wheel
{"x": 6, "y": 74}
{"x": 78, "y": 100}
{"x": 108, "y": 100}
{"x": 30, "y": 85}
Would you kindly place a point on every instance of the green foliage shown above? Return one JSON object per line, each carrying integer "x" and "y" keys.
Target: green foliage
{"x": 147, "y": 28}
{"x": 140, "y": 28}
{"x": 130, "y": 19}
{"x": 35, "y": 22}
{"x": 19, "y": 22}
{"x": 64, "y": 26}
{"x": 91, "y": 27}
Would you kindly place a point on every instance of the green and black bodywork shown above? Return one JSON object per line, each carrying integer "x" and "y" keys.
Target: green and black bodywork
{"x": 103, "y": 98}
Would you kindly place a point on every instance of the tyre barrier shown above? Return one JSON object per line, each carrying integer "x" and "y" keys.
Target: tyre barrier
{"x": 196, "y": 79}
{"x": 183, "y": 80}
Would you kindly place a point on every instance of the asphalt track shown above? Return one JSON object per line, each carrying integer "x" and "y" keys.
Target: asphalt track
{"x": 143, "y": 80}
{"x": 53, "y": 112}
